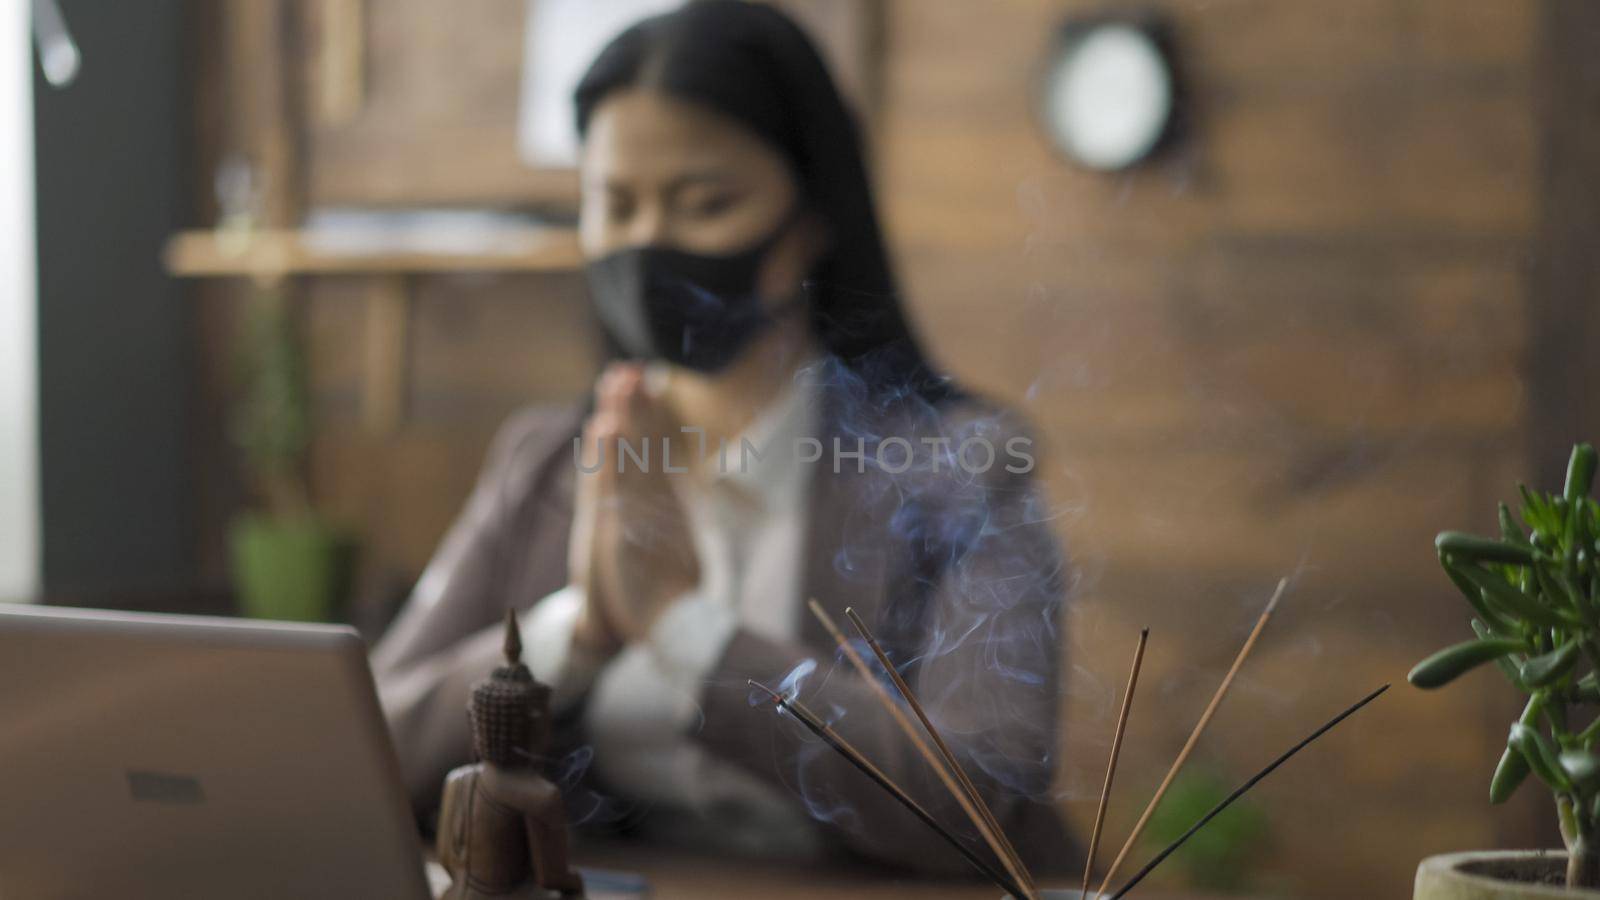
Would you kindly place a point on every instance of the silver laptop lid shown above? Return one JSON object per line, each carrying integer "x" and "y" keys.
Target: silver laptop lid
{"x": 185, "y": 757}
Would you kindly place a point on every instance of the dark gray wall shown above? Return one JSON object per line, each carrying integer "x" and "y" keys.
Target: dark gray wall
{"x": 112, "y": 326}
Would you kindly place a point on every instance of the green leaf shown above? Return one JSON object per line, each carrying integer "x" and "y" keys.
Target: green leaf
{"x": 1445, "y": 666}
{"x": 1474, "y": 594}
{"x": 1541, "y": 758}
{"x": 1557, "y": 714}
{"x": 1580, "y": 472}
{"x": 1556, "y": 586}
{"x": 1513, "y": 768}
{"x": 1582, "y": 767}
{"x": 1506, "y": 667}
{"x": 1508, "y": 775}
{"x": 1540, "y": 515}
{"x": 1588, "y": 688}
{"x": 1570, "y": 536}
{"x": 1510, "y": 532}
{"x": 1544, "y": 669}
{"x": 1481, "y": 549}
{"x": 1507, "y": 598}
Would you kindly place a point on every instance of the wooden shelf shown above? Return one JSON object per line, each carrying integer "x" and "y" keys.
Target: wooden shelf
{"x": 270, "y": 254}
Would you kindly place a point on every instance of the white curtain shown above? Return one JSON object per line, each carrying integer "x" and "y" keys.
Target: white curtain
{"x": 19, "y": 415}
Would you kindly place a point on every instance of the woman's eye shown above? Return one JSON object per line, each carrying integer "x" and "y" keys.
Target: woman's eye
{"x": 710, "y": 204}
{"x": 618, "y": 209}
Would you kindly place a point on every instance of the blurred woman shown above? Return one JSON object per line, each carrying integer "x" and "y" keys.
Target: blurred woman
{"x": 797, "y": 444}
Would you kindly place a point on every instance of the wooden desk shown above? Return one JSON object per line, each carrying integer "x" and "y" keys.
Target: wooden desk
{"x": 677, "y": 875}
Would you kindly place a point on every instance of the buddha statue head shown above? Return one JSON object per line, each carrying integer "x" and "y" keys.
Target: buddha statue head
{"x": 510, "y": 710}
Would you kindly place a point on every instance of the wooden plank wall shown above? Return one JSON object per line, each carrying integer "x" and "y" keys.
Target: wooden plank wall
{"x": 1295, "y": 347}
{"x": 1565, "y": 298}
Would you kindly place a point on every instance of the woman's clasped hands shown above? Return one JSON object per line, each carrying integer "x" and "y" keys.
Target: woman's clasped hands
{"x": 630, "y": 554}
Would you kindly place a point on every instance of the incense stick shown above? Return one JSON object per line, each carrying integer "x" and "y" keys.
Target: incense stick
{"x": 970, "y": 803}
{"x": 1111, "y": 765}
{"x": 1194, "y": 738}
{"x": 938, "y": 740}
{"x": 1239, "y": 792}
{"x": 843, "y": 748}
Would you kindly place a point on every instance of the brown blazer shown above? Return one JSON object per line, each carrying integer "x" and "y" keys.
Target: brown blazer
{"x": 958, "y": 572}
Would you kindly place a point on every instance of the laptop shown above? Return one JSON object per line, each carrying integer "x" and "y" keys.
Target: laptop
{"x": 157, "y": 756}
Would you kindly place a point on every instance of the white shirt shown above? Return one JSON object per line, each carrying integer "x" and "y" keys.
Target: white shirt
{"x": 746, "y": 506}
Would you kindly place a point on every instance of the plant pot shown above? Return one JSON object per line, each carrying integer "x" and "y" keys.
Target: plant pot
{"x": 1497, "y": 875}
{"x": 294, "y": 569}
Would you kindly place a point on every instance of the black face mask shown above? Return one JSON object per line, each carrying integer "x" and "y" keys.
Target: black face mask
{"x": 689, "y": 309}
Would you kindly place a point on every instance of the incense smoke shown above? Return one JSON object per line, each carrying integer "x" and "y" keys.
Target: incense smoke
{"x": 585, "y": 805}
{"x": 976, "y": 629}
{"x": 792, "y": 682}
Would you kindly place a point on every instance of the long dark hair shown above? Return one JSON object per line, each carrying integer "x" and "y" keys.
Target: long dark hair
{"x": 751, "y": 63}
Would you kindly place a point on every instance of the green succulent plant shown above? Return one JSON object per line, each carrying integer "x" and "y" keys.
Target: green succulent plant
{"x": 1536, "y": 598}
{"x": 271, "y": 422}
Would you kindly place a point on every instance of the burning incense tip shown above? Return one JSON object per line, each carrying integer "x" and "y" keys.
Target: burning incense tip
{"x": 776, "y": 697}
{"x": 1283, "y": 584}
{"x": 865, "y": 766}
{"x": 943, "y": 764}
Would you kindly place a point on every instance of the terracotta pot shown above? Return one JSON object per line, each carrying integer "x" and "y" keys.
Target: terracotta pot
{"x": 1497, "y": 875}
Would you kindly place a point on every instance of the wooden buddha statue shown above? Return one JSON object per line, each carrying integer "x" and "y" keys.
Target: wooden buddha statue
{"x": 502, "y": 825}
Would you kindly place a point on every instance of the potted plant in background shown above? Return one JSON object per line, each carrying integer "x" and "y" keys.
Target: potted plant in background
{"x": 1223, "y": 858}
{"x": 288, "y": 562}
{"x": 1535, "y": 595}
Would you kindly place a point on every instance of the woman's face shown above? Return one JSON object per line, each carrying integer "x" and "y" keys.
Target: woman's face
{"x": 659, "y": 171}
